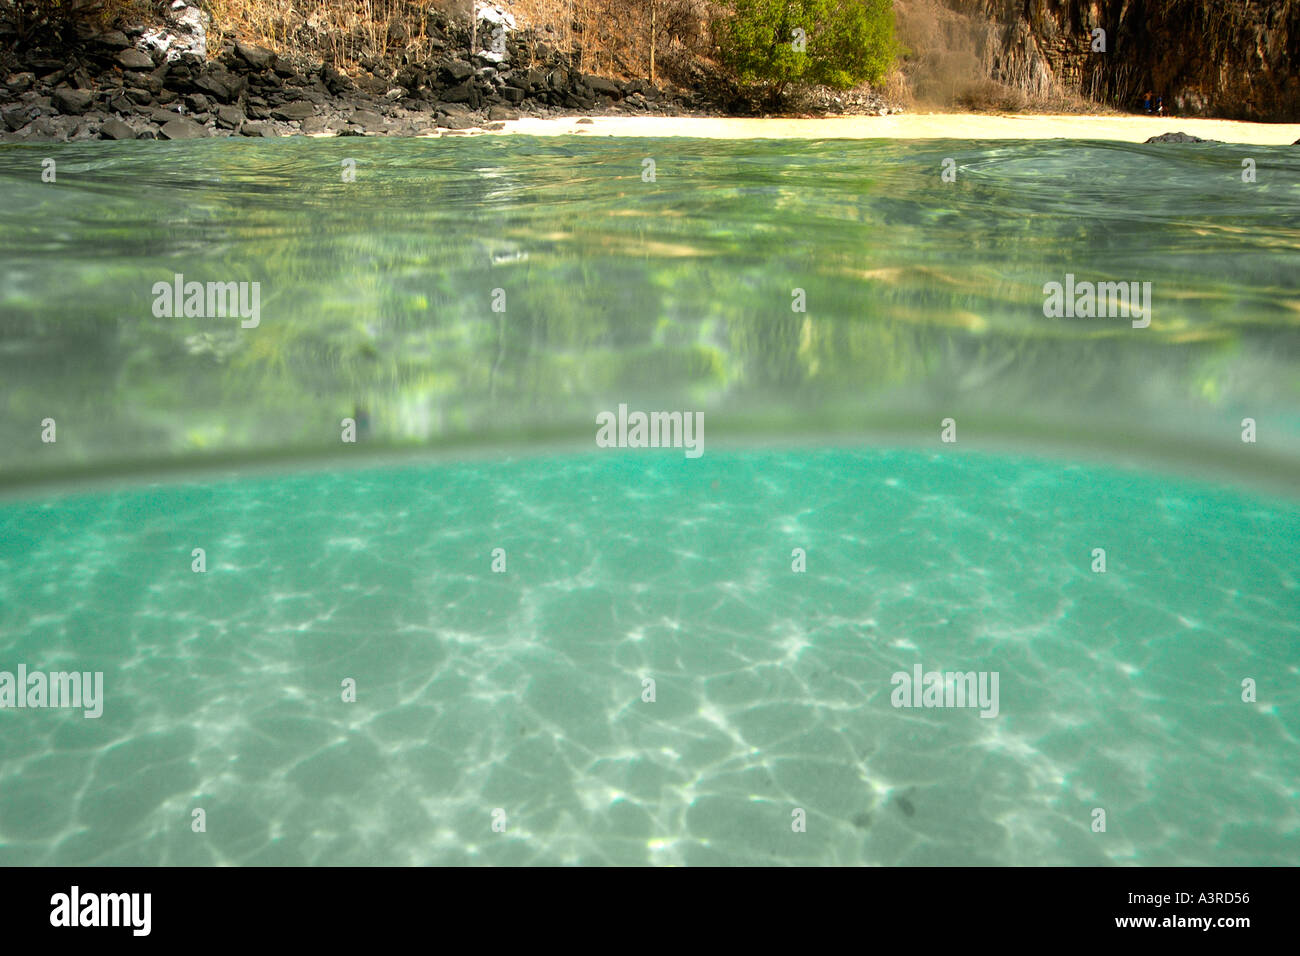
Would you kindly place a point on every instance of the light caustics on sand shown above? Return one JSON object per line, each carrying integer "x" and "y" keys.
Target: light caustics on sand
{"x": 523, "y": 689}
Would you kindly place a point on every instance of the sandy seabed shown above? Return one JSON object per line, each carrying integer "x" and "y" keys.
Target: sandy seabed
{"x": 975, "y": 126}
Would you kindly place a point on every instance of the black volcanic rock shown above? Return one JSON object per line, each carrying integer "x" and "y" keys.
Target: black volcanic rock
{"x": 220, "y": 83}
{"x": 457, "y": 71}
{"x": 183, "y": 127}
{"x": 113, "y": 40}
{"x": 67, "y": 100}
{"x": 230, "y": 116}
{"x": 297, "y": 110}
{"x": 16, "y": 118}
{"x": 599, "y": 84}
{"x": 133, "y": 59}
{"x": 115, "y": 128}
{"x": 257, "y": 57}
{"x": 369, "y": 120}
{"x": 1179, "y": 138}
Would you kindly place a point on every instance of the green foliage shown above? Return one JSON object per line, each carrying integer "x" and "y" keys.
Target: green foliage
{"x": 846, "y": 42}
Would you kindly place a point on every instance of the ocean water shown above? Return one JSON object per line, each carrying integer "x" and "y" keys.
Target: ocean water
{"x": 433, "y": 645}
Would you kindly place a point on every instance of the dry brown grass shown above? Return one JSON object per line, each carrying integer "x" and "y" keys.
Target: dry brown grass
{"x": 613, "y": 37}
{"x": 342, "y": 32}
{"x": 63, "y": 19}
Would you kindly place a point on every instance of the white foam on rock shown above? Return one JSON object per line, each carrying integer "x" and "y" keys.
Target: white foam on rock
{"x": 186, "y": 32}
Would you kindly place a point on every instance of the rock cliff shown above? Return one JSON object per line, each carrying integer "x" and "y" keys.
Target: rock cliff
{"x": 1237, "y": 59}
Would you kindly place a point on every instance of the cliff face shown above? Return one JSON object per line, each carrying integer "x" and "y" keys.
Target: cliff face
{"x": 1232, "y": 58}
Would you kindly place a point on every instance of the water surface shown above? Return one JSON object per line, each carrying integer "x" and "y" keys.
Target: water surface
{"x": 923, "y": 299}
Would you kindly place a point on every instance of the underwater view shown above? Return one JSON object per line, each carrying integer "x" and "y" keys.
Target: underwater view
{"x": 618, "y": 501}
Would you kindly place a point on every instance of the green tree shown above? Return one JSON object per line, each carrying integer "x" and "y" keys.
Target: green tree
{"x": 838, "y": 43}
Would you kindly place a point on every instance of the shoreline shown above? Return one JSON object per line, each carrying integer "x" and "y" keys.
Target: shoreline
{"x": 112, "y": 89}
{"x": 912, "y": 126}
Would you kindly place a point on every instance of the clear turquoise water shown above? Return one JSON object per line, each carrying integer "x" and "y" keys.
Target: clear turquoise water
{"x": 522, "y": 690}
{"x": 924, "y": 300}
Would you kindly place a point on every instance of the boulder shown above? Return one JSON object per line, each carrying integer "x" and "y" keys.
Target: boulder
{"x": 16, "y": 118}
{"x": 153, "y": 82}
{"x": 44, "y": 65}
{"x": 21, "y": 82}
{"x": 182, "y": 127}
{"x": 298, "y": 110}
{"x": 42, "y": 128}
{"x": 335, "y": 81}
{"x": 113, "y": 40}
{"x": 1179, "y": 138}
{"x": 220, "y": 83}
{"x": 456, "y": 122}
{"x": 115, "y": 128}
{"x": 457, "y": 71}
{"x": 259, "y": 58}
{"x": 461, "y": 93}
{"x": 133, "y": 59}
{"x": 86, "y": 129}
{"x": 603, "y": 86}
{"x": 369, "y": 120}
{"x": 158, "y": 114}
{"x": 230, "y": 116}
{"x": 67, "y": 100}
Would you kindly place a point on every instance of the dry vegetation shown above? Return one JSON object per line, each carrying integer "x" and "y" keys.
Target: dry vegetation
{"x": 616, "y": 36}
{"x": 664, "y": 40}
{"x": 611, "y": 37}
{"x": 341, "y": 32}
{"x": 62, "y": 19}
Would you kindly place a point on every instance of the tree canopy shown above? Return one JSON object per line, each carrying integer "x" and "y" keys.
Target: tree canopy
{"x": 838, "y": 43}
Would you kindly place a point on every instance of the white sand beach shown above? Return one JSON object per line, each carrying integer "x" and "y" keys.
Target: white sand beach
{"x": 1131, "y": 129}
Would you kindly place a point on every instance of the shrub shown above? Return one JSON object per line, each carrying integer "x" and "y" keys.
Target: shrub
{"x": 845, "y": 42}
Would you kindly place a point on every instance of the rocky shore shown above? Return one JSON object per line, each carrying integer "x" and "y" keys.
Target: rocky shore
{"x": 148, "y": 83}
